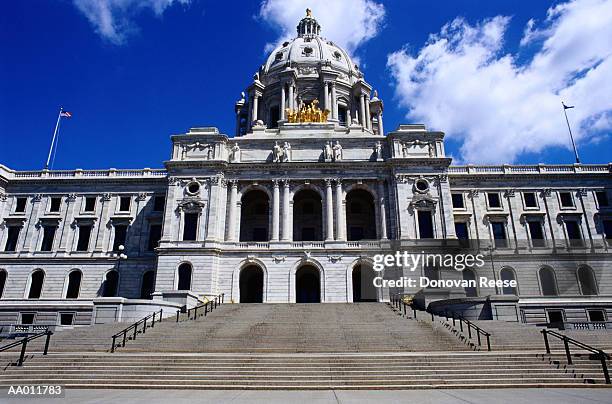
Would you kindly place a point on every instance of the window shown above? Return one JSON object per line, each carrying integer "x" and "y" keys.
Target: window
{"x": 260, "y": 234}
{"x": 3, "y": 276}
{"x": 74, "y": 284}
{"x": 499, "y": 234}
{"x": 148, "y": 285}
{"x": 536, "y": 232}
{"x": 463, "y": 234}
{"x": 507, "y": 274}
{"x": 159, "y": 202}
{"x": 468, "y": 275}
{"x": 596, "y": 315}
{"x": 458, "y": 202}
{"x": 548, "y": 282}
{"x": 111, "y": 284}
{"x": 27, "y": 318}
{"x": 124, "y": 203}
{"x": 55, "y": 205}
{"x": 190, "y": 229}
{"x": 426, "y": 229}
{"x": 120, "y": 236}
{"x": 530, "y": 200}
{"x": 308, "y": 233}
{"x": 587, "y": 282}
{"x": 555, "y": 316}
{"x": 184, "y": 277}
{"x": 20, "y": 205}
{"x": 84, "y": 236}
{"x": 90, "y": 204}
{"x": 66, "y": 318}
{"x": 602, "y": 199}
{"x": 342, "y": 117}
{"x": 494, "y": 200}
{"x": 48, "y": 237}
{"x": 12, "y": 238}
{"x": 574, "y": 234}
{"x": 274, "y": 117}
{"x": 36, "y": 284}
{"x": 155, "y": 232}
{"x": 566, "y": 200}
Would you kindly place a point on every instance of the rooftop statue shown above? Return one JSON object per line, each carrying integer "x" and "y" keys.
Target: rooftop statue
{"x": 307, "y": 113}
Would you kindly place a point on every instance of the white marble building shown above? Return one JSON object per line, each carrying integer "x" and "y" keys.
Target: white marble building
{"x": 295, "y": 212}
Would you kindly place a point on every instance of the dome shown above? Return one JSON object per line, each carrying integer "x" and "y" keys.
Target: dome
{"x": 307, "y": 52}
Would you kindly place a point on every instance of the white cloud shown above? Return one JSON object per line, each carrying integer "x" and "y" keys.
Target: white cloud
{"x": 112, "y": 18}
{"x": 461, "y": 82}
{"x": 348, "y": 23}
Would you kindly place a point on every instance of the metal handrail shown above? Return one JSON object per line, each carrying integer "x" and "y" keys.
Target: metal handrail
{"x": 217, "y": 301}
{"x": 601, "y": 355}
{"x": 24, "y": 344}
{"x": 124, "y": 333}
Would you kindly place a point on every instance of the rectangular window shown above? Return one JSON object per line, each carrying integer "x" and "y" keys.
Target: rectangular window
{"x": 124, "y": 203}
{"x": 566, "y": 199}
{"x": 55, "y": 205}
{"x": 27, "y": 318}
{"x": 13, "y": 238}
{"x": 602, "y": 199}
{"x": 159, "y": 202}
{"x": 120, "y": 236}
{"x": 573, "y": 233}
{"x": 155, "y": 233}
{"x": 536, "y": 231}
{"x": 607, "y": 228}
{"x": 190, "y": 228}
{"x": 596, "y": 315}
{"x": 20, "y": 205}
{"x": 48, "y": 237}
{"x": 461, "y": 230}
{"x": 426, "y": 229}
{"x": 458, "y": 202}
{"x": 84, "y": 236}
{"x": 494, "y": 200}
{"x": 90, "y": 204}
{"x": 530, "y": 199}
{"x": 499, "y": 234}
{"x": 555, "y": 316}
{"x": 66, "y": 318}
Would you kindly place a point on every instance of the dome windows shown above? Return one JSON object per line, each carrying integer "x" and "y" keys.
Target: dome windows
{"x": 337, "y": 55}
{"x": 307, "y": 51}
{"x": 285, "y": 44}
{"x": 279, "y": 55}
{"x": 193, "y": 188}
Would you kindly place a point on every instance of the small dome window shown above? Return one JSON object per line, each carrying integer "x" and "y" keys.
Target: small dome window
{"x": 421, "y": 185}
{"x": 337, "y": 55}
{"x": 279, "y": 55}
{"x": 308, "y": 51}
{"x": 193, "y": 188}
{"x": 285, "y": 44}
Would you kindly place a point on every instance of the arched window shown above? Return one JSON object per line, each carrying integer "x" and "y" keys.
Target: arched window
{"x": 148, "y": 285}
{"x": 111, "y": 284}
{"x": 74, "y": 284}
{"x": 184, "y": 277}
{"x": 37, "y": 279}
{"x": 307, "y": 216}
{"x": 587, "y": 281}
{"x": 468, "y": 275}
{"x": 548, "y": 282}
{"x": 255, "y": 216}
{"x": 3, "y": 276}
{"x": 360, "y": 215}
{"x": 507, "y": 274}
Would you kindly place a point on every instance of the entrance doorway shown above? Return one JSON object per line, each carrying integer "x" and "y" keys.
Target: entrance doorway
{"x": 251, "y": 284}
{"x": 307, "y": 285}
{"x": 363, "y": 284}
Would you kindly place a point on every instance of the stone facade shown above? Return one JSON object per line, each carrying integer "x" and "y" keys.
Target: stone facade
{"x": 252, "y": 211}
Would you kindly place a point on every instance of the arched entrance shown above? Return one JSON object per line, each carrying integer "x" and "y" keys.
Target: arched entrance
{"x": 251, "y": 284}
{"x": 307, "y": 216}
{"x": 360, "y": 215}
{"x": 254, "y": 216}
{"x": 307, "y": 285}
{"x": 363, "y": 284}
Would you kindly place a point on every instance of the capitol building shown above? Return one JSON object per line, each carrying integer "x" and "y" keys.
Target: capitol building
{"x": 294, "y": 206}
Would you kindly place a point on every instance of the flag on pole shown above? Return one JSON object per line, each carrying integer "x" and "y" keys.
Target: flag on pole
{"x": 66, "y": 114}
{"x": 565, "y": 106}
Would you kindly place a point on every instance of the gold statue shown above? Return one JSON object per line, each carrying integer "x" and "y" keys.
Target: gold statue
{"x": 307, "y": 113}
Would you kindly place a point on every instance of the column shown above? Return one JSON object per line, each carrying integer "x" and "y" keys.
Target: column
{"x": 368, "y": 119}
{"x": 380, "y": 124}
{"x": 329, "y": 206}
{"x": 282, "y": 102}
{"x": 334, "y": 101}
{"x": 325, "y": 95}
{"x": 291, "y": 100}
{"x": 65, "y": 228}
{"x": 275, "y": 211}
{"x": 231, "y": 226}
{"x": 340, "y": 230}
{"x": 250, "y": 113}
{"x": 286, "y": 216}
{"x": 362, "y": 119}
{"x": 255, "y": 106}
{"x": 383, "y": 212}
{"x": 237, "y": 123}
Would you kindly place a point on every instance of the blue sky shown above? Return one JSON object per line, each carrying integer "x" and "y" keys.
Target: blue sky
{"x": 491, "y": 80}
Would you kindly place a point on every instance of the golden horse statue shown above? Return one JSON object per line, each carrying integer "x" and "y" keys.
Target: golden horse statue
{"x": 307, "y": 113}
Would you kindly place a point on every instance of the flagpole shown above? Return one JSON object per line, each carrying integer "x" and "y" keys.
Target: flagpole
{"x": 570, "y": 133}
{"x": 59, "y": 116}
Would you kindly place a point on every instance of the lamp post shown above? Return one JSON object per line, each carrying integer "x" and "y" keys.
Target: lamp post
{"x": 490, "y": 248}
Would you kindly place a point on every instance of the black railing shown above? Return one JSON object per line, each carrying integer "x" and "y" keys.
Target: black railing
{"x": 204, "y": 308}
{"x": 132, "y": 331}
{"x": 598, "y": 353}
{"x": 24, "y": 344}
{"x": 470, "y": 326}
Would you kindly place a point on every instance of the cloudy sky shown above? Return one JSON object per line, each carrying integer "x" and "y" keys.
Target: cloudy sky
{"x": 491, "y": 76}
